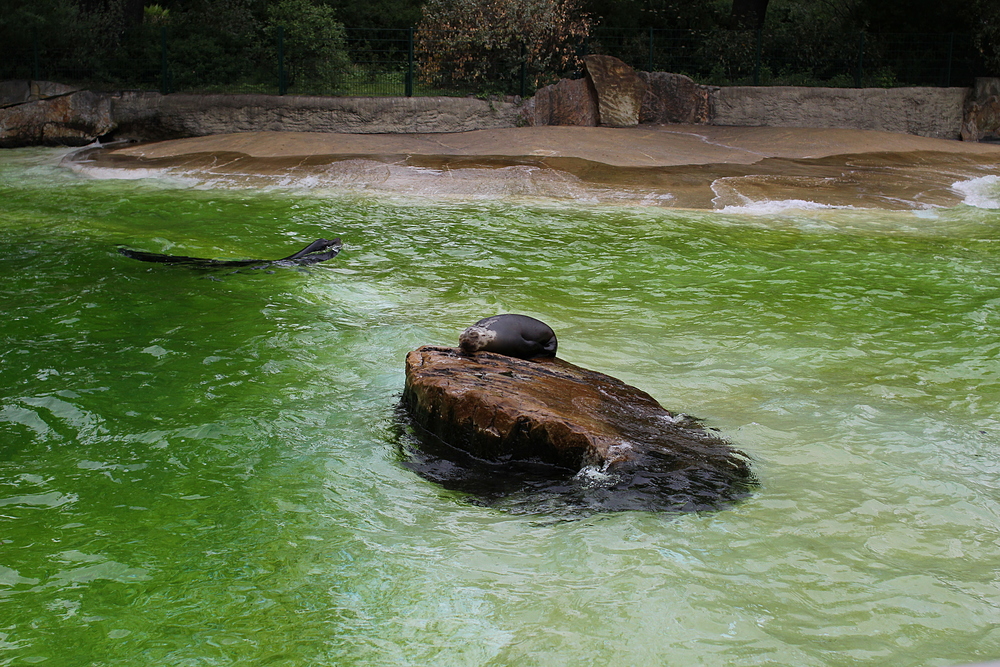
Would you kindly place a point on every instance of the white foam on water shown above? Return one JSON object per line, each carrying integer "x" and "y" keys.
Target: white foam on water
{"x": 780, "y": 206}
{"x": 981, "y": 192}
{"x": 168, "y": 177}
{"x": 735, "y": 195}
{"x": 595, "y": 477}
{"x": 361, "y": 175}
{"x": 102, "y": 173}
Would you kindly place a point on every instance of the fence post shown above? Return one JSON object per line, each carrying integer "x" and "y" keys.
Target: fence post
{"x": 756, "y": 65}
{"x": 524, "y": 70}
{"x": 951, "y": 52}
{"x": 859, "y": 75}
{"x": 409, "y": 64}
{"x": 34, "y": 54}
{"x": 164, "y": 75}
{"x": 282, "y": 82}
{"x": 650, "y": 49}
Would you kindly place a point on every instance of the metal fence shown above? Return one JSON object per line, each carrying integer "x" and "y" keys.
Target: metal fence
{"x": 388, "y": 62}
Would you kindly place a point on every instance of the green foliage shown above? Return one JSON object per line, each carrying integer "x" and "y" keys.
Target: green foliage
{"x": 24, "y": 20}
{"x": 484, "y": 46}
{"x": 376, "y": 14}
{"x": 155, "y": 15}
{"x": 206, "y": 43}
{"x": 471, "y": 43}
{"x": 657, "y": 14}
{"x": 314, "y": 44}
{"x": 70, "y": 39}
{"x": 986, "y": 34}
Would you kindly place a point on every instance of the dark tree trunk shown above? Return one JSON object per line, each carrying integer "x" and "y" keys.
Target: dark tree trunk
{"x": 749, "y": 14}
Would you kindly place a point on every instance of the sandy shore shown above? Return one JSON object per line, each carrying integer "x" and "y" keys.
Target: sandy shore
{"x": 643, "y": 146}
{"x": 684, "y": 166}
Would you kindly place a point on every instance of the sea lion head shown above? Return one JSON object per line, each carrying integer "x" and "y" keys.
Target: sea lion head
{"x": 475, "y": 338}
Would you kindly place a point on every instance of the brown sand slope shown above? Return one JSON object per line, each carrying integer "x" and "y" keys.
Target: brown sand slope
{"x": 643, "y": 146}
{"x": 693, "y": 166}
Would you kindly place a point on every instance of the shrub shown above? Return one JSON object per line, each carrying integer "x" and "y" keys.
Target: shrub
{"x": 314, "y": 43}
{"x": 485, "y": 43}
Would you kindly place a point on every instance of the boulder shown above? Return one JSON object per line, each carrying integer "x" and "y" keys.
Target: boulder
{"x": 19, "y": 91}
{"x": 76, "y": 119}
{"x": 981, "y": 119}
{"x": 619, "y": 90}
{"x": 673, "y": 98}
{"x": 568, "y": 102}
{"x": 598, "y": 438}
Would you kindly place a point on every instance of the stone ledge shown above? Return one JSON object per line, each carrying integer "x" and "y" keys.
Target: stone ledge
{"x": 79, "y": 118}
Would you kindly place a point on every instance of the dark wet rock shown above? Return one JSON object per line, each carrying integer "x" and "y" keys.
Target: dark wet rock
{"x": 546, "y": 432}
{"x": 673, "y": 98}
{"x": 619, "y": 90}
{"x": 74, "y": 119}
{"x": 568, "y": 102}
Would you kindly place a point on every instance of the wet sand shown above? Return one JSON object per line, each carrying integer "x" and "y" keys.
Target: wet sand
{"x": 692, "y": 166}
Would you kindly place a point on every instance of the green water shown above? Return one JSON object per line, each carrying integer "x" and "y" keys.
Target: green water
{"x": 200, "y": 468}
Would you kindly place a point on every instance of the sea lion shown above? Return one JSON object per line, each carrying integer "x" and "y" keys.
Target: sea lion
{"x": 319, "y": 250}
{"x": 513, "y": 335}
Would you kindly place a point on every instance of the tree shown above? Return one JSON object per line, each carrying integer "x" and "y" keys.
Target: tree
{"x": 659, "y": 14}
{"x": 23, "y": 21}
{"x": 481, "y": 43}
{"x": 314, "y": 44}
{"x": 986, "y": 34}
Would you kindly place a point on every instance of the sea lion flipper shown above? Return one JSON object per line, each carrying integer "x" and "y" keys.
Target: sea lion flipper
{"x": 311, "y": 254}
{"x": 315, "y": 247}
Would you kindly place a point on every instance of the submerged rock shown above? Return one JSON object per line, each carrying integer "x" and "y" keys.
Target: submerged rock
{"x": 534, "y": 435}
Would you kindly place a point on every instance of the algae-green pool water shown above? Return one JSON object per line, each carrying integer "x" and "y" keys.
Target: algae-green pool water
{"x": 202, "y": 468}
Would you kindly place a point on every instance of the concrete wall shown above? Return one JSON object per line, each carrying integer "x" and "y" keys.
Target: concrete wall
{"x": 927, "y": 112}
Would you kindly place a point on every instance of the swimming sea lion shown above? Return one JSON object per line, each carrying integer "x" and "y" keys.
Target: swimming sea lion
{"x": 514, "y": 335}
{"x": 319, "y": 250}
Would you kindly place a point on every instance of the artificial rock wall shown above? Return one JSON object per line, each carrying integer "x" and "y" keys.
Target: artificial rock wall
{"x": 611, "y": 94}
{"x": 624, "y": 97}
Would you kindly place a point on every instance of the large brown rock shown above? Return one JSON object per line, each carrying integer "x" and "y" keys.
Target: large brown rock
{"x": 568, "y": 102}
{"x": 501, "y": 409}
{"x": 981, "y": 119}
{"x": 76, "y": 119}
{"x": 19, "y": 91}
{"x": 619, "y": 90}
{"x": 673, "y": 98}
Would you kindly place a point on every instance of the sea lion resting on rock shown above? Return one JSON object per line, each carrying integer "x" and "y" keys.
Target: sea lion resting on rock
{"x": 513, "y": 335}
{"x": 319, "y": 250}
